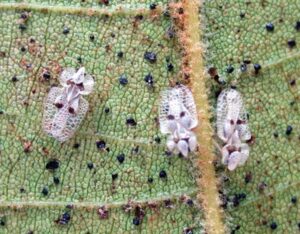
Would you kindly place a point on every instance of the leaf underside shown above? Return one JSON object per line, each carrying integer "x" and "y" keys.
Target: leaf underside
{"x": 51, "y": 39}
{"x": 235, "y": 31}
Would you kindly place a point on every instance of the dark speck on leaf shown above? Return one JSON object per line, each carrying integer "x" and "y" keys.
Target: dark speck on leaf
{"x": 79, "y": 59}
{"x": 131, "y": 122}
{"x": 294, "y": 200}
{"x": 243, "y": 67}
{"x": 180, "y": 11}
{"x": 289, "y": 130}
{"x": 22, "y": 27}
{"x": 190, "y": 202}
{"x": 256, "y": 67}
{"x": 270, "y": 27}
{"x": 170, "y": 67}
{"x": 166, "y": 14}
{"x": 46, "y": 75}
{"x": 76, "y": 145}
{"x": 136, "y": 221}
{"x": 45, "y": 191}
{"x": 275, "y": 134}
{"x": 92, "y": 37}
{"x": 150, "y": 180}
{"x": 2, "y": 221}
{"x": 273, "y": 225}
{"x": 53, "y": 164}
{"x": 23, "y": 49}
{"x": 114, "y": 176}
{"x": 120, "y": 54}
{"x": 139, "y": 17}
{"x": 90, "y": 165}
{"x": 14, "y": 79}
{"x": 297, "y": 26}
{"x": 162, "y": 174}
{"x": 66, "y": 30}
{"x": 101, "y": 144}
{"x": 123, "y": 80}
{"x": 150, "y": 57}
{"x": 157, "y": 140}
{"x": 153, "y": 6}
{"x": 188, "y": 231}
{"x": 24, "y": 15}
{"x": 56, "y": 180}
{"x": 64, "y": 218}
{"x": 242, "y": 15}
{"x": 121, "y": 158}
{"x": 229, "y": 69}
{"x": 106, "y": 110}
{"x": 291, "y": 43}
{"x": 135, "y": 150}
{"x": 293, "y": 82}
{"x": 149, "y": 79}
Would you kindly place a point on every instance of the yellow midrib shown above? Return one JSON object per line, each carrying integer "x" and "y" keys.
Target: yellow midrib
{"x": 208, "y": 192}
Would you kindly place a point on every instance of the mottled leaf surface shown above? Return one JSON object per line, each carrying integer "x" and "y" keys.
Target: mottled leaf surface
{"x": 260, "y": 197}
{"x": 38, "y": 40}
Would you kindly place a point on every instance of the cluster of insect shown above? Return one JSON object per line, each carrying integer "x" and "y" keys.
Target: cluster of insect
{"x": 178, "y": 118}
{"x": 232, "y": 128}
{"x": 64, "y": 107}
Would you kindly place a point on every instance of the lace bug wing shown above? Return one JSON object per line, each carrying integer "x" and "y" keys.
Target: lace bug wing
{"x": 243, "y": 128}
{"x": 221, "y": 114}
{"x": 73, "y": 121}
{"x": 66, "y": 75}
{"x": 233, "y": 160}
{"x": 245, "y": 151}
{"x": 169, "y": 105}
{"x": 58, "y": 122}
{"x": 50, "y": 109}
{"x": 229, "y": 105}
{"x": 187, "y": 99}
{"x": 88, "y": 84}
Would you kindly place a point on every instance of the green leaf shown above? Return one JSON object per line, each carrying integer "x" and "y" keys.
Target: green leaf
{"x": 42, "y": 37}
{"x": 235, "y": 31}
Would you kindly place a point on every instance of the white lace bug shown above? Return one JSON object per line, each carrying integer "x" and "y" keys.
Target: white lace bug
{"x": 235, "y": 153}
{"x": 177, "y": 118}
{"x": 232, "y": 128}
{"x": 65, "y": 108}
{"x": 231, "y": 115}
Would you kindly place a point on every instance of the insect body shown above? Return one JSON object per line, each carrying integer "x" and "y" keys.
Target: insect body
{"x": 232, "y": 128}
{"x": 178, "y": 116}
{"x": 65, "y": 108}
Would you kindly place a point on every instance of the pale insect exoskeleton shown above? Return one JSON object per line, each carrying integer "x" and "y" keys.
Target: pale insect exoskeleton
{"x": 231, "y": 115}
{"x": 65, "y": 108}
{"x": 177, "y": 118}
{"x": 235, "y": 153}
{"x": 232, "y": 128}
